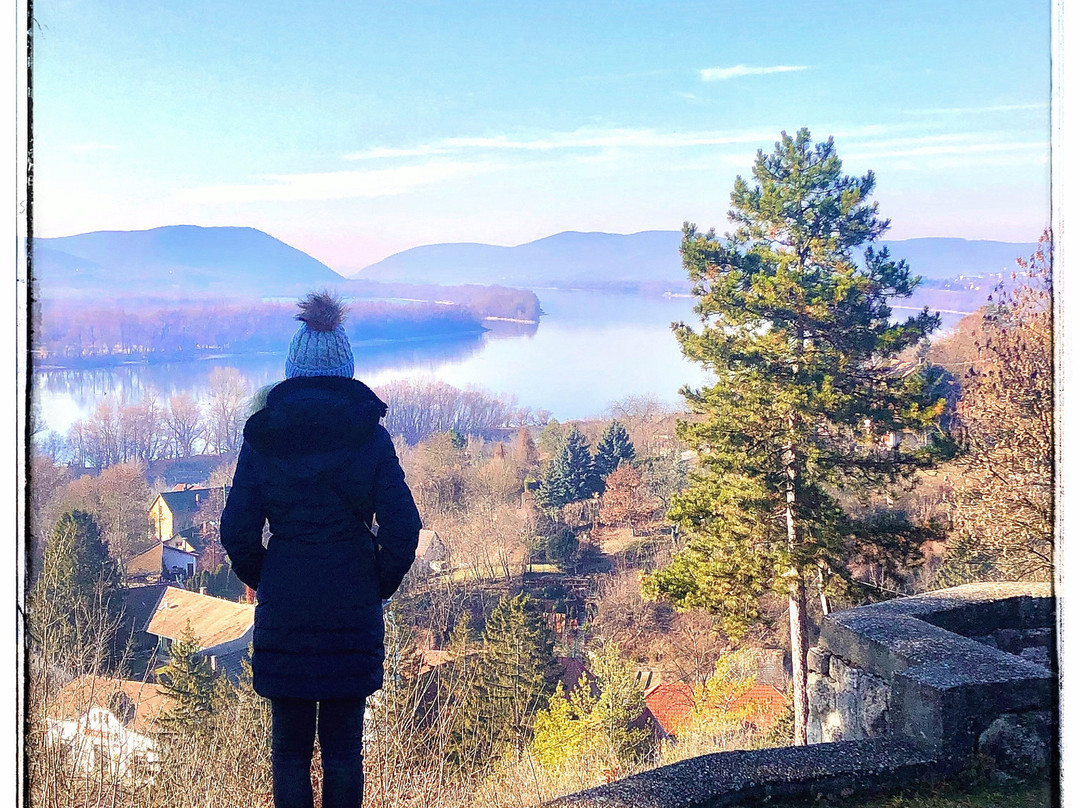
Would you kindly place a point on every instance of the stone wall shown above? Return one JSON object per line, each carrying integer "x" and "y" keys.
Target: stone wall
{"x": 941, "y": 669}
{"x": 903, "y": 691}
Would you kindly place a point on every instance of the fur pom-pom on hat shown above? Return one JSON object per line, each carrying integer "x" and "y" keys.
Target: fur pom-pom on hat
{"x": 321, "y": 311}
{"x": 321, "y": 346}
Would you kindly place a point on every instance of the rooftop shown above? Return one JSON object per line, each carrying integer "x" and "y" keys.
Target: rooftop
{"x": 213, "y": 620}
{"x": 188, "y": 500}
{"x": 672, "y": 704}
{"x": 138, "y": 705}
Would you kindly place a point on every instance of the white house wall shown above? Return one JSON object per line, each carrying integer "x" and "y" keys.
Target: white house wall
{"x": 99, "y": 738}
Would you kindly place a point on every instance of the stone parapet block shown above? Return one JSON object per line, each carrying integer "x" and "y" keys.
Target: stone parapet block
{"x": 971, "y": 609}
{"x": 946, "y": 687}
{"x": 745, "y": 778}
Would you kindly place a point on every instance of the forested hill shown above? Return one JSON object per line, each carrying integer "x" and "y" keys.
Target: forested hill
{"x": 214, "y": 264}
{"x": 179, "y": 260}
{"x": 576, "y": 259}
{"x": 569, "y": 258}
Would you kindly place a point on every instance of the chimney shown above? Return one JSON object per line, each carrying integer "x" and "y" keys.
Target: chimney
{"x": 202, "y": 590}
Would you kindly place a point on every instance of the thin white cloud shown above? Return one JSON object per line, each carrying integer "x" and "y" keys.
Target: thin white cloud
{"x": 380, "y": 153}
{"x": 949, "y": 150}
{"x": 977, "y": 110}
{"x": 586, "y": 138}
{"x": 336, "y": 184}
{"x": 405, "y": 168}
{"x": 724, "y": 73}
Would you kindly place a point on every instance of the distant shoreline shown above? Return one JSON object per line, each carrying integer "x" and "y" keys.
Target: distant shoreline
{"x": 513, "y": 320}
{"x": 110, "y": 361}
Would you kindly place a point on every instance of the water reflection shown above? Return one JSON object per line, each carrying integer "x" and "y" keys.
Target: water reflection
{"x": 66, "y": 395}
{"x": 589, "y": 350}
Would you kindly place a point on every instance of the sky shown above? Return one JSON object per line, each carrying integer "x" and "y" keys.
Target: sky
{"x": 354, "y": 130}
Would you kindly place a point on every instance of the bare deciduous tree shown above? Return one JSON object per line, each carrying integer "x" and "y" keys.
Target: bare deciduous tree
{"x": 227, "y": 408}
{"x": 124, "y": 498}
{"x": 1004, "y": 499}
{"x": 186, "y": 425}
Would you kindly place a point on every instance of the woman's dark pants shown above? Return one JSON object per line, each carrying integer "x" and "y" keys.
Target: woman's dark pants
{"x": 340, "y": 726}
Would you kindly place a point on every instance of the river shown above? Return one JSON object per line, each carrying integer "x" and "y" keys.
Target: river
{"x": 589, "y": 350}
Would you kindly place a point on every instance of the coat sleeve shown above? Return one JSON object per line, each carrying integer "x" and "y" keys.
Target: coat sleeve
{"x": 399, "y": 521}
{"x": 242, "y": 521}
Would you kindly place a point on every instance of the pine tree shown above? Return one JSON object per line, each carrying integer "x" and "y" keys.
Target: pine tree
{"x": 460, "y": 699}
{"x": 620, "y": 704}
{"x": 221, "y": 583}
{"x": 551, "y": 437}
{"x": 517, "y": 673}
{"x": 457, "y": 439}
{"x": 614, "y": 448}
{"x": 561, "y": 545}
{"x": 569, "y": 476}
{"x": 191, "y": 684}
{"x": 808, "y": 398}
{"x": 74, "y": 606}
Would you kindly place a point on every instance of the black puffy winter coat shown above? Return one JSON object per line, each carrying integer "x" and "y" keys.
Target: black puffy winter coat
{"x": 316, "y": 464}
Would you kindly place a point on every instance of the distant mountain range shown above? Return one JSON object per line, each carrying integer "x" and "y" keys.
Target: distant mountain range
{"x": 189, "y": 261}
{"x": 180, "y": 260}
{"x": 586, "y": 259}
{"x": 569, "y": 258}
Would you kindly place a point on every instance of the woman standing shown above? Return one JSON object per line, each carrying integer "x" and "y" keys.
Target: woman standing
{"x": 316, "y": 465}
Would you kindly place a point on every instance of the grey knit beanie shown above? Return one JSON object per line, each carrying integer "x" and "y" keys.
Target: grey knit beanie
{"x": 320, "y": 347}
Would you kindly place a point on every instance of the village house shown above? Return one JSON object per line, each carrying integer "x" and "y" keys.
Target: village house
{"x": 157, "y": 615}
{"x": 184, "y": 525}
{"x": 138, "y": 604}
{"x": 223, "y": 628}
{"x": 671, "y": 704}
{"x": 431, "y": 549}
{"x": 161, "y": 562}
{"x": 174, "y": 512}
{"x": 108, "y": 726}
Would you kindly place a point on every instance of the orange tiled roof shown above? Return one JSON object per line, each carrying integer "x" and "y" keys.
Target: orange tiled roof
{"x": 79, "y": 695}
{"x": 769, "y": 703}
{"x": 213, "y": 620}
{"x": 434, "y": 657}
{"x": 671, "y": 705}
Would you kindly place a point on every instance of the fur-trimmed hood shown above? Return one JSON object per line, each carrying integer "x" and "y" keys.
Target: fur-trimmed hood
{"x": 314, "y": 414}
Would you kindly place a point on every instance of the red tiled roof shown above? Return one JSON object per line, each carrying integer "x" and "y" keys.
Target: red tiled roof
{"x": 671, "y": 705}
{"x": 768, "y": 702}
